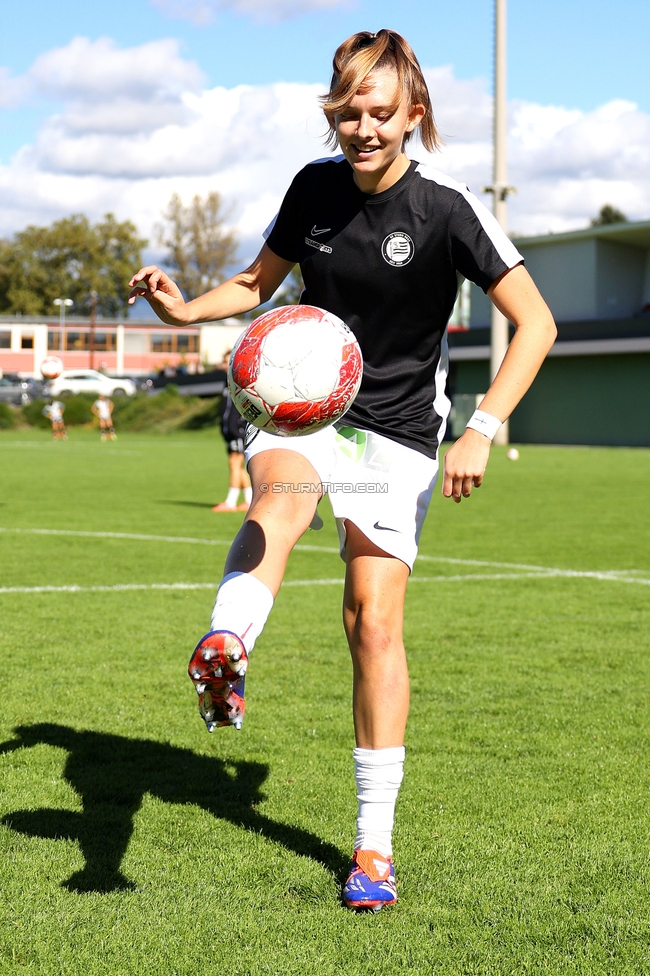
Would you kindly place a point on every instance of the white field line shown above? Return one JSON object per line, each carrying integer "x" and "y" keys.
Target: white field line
{"x": 546, "y": 574}
{"x": 526, "y": 571}
{"x": 121, "y": 587}
{"x": 605, "y": 574}
{"x": 122, "y": 535}
{"x": 464, "y": 578}
{"x": 138, "y": 537}
{"x": 118, "y": 588}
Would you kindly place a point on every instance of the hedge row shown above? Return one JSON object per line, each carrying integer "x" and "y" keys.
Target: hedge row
{"x": 164, "y": 412}
{"x": 8, "y": 417}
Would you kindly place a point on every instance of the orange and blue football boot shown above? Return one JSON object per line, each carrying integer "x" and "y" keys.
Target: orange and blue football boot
{"x": 218, "y": 671}
{"x": 371, "y": 882}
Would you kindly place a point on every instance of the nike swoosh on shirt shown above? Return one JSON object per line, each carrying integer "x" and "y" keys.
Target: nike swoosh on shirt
{"x": 386, "y": 528}
{"x": 315, "y": 232}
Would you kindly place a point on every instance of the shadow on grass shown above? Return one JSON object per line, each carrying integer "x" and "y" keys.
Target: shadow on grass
{"x": 111, "y": 774}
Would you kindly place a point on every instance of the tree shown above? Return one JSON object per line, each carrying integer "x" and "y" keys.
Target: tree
{"x": 608, "y": 215}
{"x": 200, "y": 248}
{"x": 69, "y": 259}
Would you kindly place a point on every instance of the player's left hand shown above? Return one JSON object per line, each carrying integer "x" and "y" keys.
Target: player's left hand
{"x": 465, "y": 464}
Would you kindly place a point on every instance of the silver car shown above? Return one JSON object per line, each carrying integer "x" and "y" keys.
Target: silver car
{"x": 18, "y": 391}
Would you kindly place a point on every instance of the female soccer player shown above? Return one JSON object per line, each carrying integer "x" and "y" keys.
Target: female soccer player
{"x": 103, "y": 410}
{"x": 382, "y": 242}
{"x": 54, "y": 412}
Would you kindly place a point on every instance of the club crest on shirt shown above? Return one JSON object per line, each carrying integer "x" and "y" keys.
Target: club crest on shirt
{"x": 397, "y": 249}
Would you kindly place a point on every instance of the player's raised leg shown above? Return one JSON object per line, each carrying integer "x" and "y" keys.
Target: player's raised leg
{"x": 253, "y": 573}
{"x": 373, "y": 609}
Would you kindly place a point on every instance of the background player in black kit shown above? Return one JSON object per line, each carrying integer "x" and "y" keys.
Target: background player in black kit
{"x": 382, "y": 242}
{"x": 233, "y": 428}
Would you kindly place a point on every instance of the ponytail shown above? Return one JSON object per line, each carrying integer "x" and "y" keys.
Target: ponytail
{"x": 363, "y": 53}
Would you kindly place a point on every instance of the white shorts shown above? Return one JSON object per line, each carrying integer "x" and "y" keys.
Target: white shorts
{"x": 381, "y": 486}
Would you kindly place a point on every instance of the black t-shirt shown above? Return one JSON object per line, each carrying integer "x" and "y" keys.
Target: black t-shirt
{"x": 390, "y": 264}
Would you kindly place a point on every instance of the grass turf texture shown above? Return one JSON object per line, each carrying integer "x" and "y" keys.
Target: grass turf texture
{"x": 132, "y": 842}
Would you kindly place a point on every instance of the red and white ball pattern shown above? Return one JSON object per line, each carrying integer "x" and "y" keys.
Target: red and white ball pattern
{"x": 294, "y": 370}
{"x": 51, "y": 367}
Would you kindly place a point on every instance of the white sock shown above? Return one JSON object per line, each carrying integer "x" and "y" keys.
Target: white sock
{"x": 378, "y": 773}
{"x": 232, "y": 496}
{"x": 248, "y": 495}
{"x": 242, "y": 606}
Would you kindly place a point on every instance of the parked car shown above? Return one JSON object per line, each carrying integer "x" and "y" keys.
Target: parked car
{"x": 90, "y": 381}
{"x": 19, "y": 391}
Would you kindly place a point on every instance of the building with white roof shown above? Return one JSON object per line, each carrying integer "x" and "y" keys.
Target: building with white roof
{"x": 594, "y": 387}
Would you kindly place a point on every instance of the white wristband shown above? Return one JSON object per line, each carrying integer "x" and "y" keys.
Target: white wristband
{"x": 484, "y": 423}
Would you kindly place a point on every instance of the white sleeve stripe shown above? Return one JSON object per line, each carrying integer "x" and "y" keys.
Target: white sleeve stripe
{"x": 266, "y": 233}
{"x": 502, "y": 243}
{"x": 327, "y": 159}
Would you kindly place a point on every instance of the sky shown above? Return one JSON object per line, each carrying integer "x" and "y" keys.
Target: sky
{"x": 113, "y": 106}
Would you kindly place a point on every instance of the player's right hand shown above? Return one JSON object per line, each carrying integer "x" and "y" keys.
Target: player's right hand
{"x": 161, "y": 292}
{"x": 464, "y": 465}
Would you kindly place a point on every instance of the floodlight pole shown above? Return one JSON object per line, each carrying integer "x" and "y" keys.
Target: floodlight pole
{"x": 91, "y": 342}
{"x": 63, "y": 303}
{"x": 499, "y": 188}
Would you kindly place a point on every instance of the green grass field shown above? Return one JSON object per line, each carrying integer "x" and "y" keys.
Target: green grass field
{"x": 132, "y": 842}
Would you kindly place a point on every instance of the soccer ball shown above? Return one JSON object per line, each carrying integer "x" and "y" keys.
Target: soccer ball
{"x": 294, "y": 370}
{"x": 51, "y": 367}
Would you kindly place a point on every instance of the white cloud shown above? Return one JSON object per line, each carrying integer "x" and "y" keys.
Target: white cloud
{"x": 12, "y": 90}
{"x": 135, "y": 125}
{"x": 97, "y": 70}
{"x": 588, "y": 159}
{"x": 105, "y": 88}
{"x": 204, "y": 11}
{"x": 217, "y": 130}
{"x": 564, "y": 162}
{"x": 462, "y": 109}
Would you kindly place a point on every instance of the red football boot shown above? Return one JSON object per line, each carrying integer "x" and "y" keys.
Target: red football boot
{"x": 371, "y": 882}
{"x": 218, "y": 670}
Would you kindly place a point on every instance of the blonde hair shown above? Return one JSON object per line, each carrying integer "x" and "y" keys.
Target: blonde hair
{"x": 363, "y": 53}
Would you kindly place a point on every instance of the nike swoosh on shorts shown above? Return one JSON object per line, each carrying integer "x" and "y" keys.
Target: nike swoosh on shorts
{"x": 385, "y": 528}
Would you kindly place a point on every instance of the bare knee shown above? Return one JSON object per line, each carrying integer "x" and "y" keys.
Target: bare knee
{"x": 286, "y": 490}
{"x": 373, "y": 633}
{"x": 287, "y": 511}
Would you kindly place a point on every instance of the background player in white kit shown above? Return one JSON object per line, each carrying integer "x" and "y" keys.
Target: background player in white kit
{"x": 54, "y": 412}
{"x": 382, "y": 242}
{"x": 103, "y": 410}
